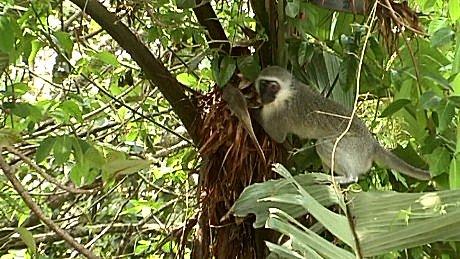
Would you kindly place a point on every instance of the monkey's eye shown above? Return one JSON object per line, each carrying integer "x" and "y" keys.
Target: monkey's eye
{"x": 268, "y": 85}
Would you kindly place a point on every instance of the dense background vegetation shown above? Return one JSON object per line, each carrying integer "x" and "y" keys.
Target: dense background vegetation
{"x": 113, "y": 130}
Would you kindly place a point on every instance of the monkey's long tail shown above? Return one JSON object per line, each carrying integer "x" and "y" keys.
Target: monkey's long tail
{"x": 392, "y": 161}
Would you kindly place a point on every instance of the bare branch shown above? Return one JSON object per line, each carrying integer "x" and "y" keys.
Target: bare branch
{"x": 34, "y": 207}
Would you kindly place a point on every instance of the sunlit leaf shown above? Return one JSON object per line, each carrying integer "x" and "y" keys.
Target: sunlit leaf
{"x": 454, "y": 173}
{"x": 80, "y": 174}
{"x": 442, "y": 37}
{"x": 64, "y": 40}
{"x": 187, "y": 79}
{"x": 72, "y": 109}
{"x": 44, "y": 149}
{"x": 439, "y": 80}
{"x": 446, "y": 115}
{"x": 389, "y": 221}
{"x": 107, "y": 58}
{"x": 9, "y": 136}
{"x": 125, "y": 166}
{"x": 303, "y": 238}
{"x": 454, "y": 10}
{"x": 28, "y": 239}
{"x": 62, "y": 148}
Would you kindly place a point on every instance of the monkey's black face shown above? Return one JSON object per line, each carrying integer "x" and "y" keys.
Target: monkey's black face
{"x": 268, "y": 90}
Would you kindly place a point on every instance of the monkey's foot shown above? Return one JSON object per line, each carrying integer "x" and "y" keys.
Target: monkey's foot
{"x": 346, "y": 179}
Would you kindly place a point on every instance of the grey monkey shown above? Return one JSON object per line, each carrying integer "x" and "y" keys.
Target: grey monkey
{"x": 291, "y": 107}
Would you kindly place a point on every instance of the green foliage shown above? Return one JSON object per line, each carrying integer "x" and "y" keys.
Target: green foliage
{"x": 58, "y": 107}
{"x": 372, "y": 224}
{"x": 223, "y": 70}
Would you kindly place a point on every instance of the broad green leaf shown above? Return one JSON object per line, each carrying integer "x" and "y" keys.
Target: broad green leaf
{"x": 454, "y": 170}
{"x": 286, "y": 252}
{"x": 394, "y": 107}
{"x": 377, "y": 49}
{"x": 80, "y": 174}
{"x": 62, "y": 148}
{"x": 438, "y": 80}
{"x": 454, "y": 10}
{"x": 303, "y": 239}
{"x": 305, "y": 53}
{"x": 72, "y": 108}
{"x": 227, "y": 68}
{"x": 142, "y": 246}
{"x": 9, "y": 136}
{"x": 59, "y": 115}
{"x": 184, "y": 4}
{"x": 429, "y": 4}
{"x": 21, "y": 109}
{"x": 454, "y": 173}
{"x": 439, "y": 160}
{"x": 44, "y": 149}
{"x": 457, "y": 146}
{"x": 292, "y": 8}
{"x": 36, "y": 46}
{"x": 4, "y": 60}
{"x": 408, "y": 154}
{"x": 124, "y": 167}
{"x": 253, "y": 199}
{"x": 64, "y": 40}
{"x": 187, "y": 79}
{"x": 389, "y": 221}
{"x": 442, "y": 37}
{"x": 8, "y": 30}
{"x": 348, "y": 68}
{"x": 249, "y": 66}
{"x": 107, "y": 58}
{"x": 77, "y": 150}
{"x": 28, "y": 239}
{"x": 456, "y": 86}
{"x": 94, "y": 158}
{"x": 456, "y": 62}
{"x": 17, "y": 89}
{"x": 446, "y": 115}
{"x": 223, "y": 71}
{"x": 335, "y": 223}
{"x": 429, "y": 100}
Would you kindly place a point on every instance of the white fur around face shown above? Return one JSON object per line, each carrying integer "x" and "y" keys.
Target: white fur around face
{"x": 285, "y": 93}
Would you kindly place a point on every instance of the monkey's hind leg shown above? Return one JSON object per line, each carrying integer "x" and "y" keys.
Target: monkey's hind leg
{"x": 346, "y": 163}
{"x": 339, "y": 179}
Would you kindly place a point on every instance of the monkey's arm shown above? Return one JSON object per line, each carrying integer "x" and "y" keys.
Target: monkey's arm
{"x": 274, "y": 128}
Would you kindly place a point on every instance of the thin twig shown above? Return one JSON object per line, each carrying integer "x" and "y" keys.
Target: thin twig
{"x": 34, "y": 207}
{"x": 45, "y": 175}
{"x": 370, "y": 22}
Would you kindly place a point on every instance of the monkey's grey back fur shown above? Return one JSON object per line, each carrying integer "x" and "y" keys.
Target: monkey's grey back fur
{"x": 297, "y": 109}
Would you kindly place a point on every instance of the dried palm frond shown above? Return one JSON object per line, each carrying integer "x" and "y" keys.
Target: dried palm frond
{"x": 230, "y": 163}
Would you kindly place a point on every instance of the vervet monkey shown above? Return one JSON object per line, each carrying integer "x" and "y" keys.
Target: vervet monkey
{"x": 291, "y": 107}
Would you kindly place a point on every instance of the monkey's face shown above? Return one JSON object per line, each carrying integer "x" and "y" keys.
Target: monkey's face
{"x": 268, "y": 90}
